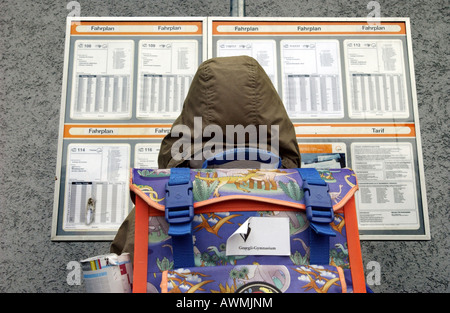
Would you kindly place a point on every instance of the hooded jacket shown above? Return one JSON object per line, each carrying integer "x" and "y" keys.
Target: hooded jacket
{"x": 232, "y": 91}
{"x": 224, "y": 91}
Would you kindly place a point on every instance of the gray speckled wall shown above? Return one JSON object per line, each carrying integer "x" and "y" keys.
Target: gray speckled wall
{"x": 31, "y": 65}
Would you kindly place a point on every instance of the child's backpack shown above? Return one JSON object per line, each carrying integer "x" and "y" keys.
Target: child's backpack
{"x": 246, "y": 230}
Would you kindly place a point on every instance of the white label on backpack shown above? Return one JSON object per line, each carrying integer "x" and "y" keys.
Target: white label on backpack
{"x": 261, "y": 236}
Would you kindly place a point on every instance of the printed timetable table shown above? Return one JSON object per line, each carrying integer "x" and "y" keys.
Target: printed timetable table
{"x": 101, "y": 81}
{"x": 310, "y": 94}
{"x": 377, "y": 93}
{"x": 311, "y": 78}
{"x": 165, "y": 72}
{"x": 111, "y": 198}
{"x": 163, "y": 94}
{"x": 377, "y": 80}
{"x": 98, "y": 172}
{"x": 101, "y": 95}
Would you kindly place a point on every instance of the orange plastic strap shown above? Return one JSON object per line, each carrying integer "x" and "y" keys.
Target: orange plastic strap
{"x": 140, "y": 246}
{"x": 354, "y": 247}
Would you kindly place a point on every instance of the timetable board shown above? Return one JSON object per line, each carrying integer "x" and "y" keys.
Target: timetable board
{"x": 347, "y": 84}
{"x": 124, "y": 83}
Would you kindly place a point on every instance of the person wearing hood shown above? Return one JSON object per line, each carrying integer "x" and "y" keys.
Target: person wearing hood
{"x": 224, "y": 91}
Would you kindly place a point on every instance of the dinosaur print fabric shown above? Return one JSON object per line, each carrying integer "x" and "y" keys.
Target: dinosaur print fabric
{"x": 253, "y": 279}
{"x": 216, "y": 219}
{"x": 279, "y": 184}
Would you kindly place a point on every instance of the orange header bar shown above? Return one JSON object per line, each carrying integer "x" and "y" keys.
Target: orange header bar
{"x": 108, "y": 131}
{"x": 136, "y": 28}
{"x": 306, "y": 28}
{"x": 377, "y": 130}
{"x": 116, "y": 131}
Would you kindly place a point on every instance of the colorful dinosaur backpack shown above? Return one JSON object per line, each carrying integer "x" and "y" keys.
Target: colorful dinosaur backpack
{"x": 246, "y": 231}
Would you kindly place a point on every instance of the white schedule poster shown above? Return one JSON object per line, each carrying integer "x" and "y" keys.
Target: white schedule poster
{"x": 263, "y": 51}
{"x": 102, "y": 79}
{"x": 376, "y": 81}
{"x": 97, "y": 186}
{"x": 125, "y": 80}
{"x": 311, "y": 75}
{"x": 165, "y": 72}
{"x": 387, "y": 187}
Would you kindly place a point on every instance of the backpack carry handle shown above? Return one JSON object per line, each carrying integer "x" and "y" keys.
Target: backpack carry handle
{"x": 241, "y": 154}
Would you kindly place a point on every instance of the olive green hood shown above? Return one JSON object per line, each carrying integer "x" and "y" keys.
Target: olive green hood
{"x": 233, "y": 91}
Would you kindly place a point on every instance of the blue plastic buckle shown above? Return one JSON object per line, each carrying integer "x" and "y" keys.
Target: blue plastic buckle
{"x": 319, "y": 208}
{"x": 179, "y": 203}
